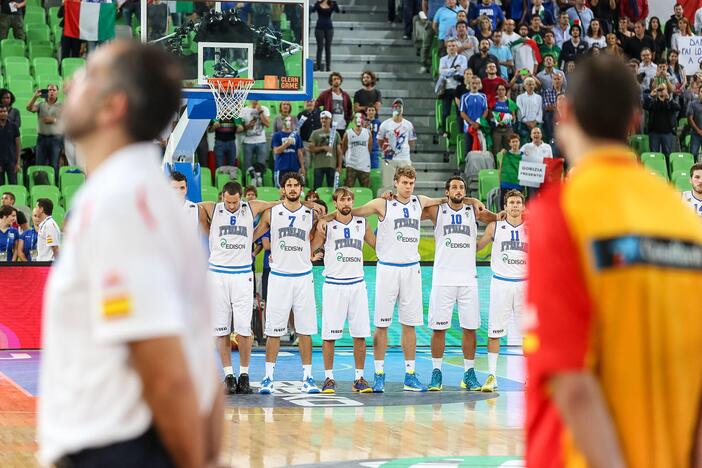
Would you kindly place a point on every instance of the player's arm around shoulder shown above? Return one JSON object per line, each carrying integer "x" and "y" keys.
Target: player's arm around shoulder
{"x": 428, "y": 202}
{"x": 263, "y": 225}
{"x": 205, "y": 211}
{"x": 259, "y": 206}
{"x": 430, "y": 212}
{"x": 373, "y": 207}
{"x": 369, "y": 236}
{"x": 488, "y": 236}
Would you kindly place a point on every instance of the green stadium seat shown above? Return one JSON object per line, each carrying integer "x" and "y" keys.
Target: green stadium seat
{"x": 438, "y": 108}
{"x": 40, "y": 49}
{"x": 12, "y": 48}
{"x": 361, "y": 195}
{"x": 325, "y": 192}
{"x": 268, "y": 193}
{"x": 205, "y": 176}
{"x": 45, "y": 66}
{"x": 460, "y": 151}
{"x": 70, "y": 65}
{"x": 59, "y": 214}
{"x": 39, "y": 33}
{"x": 210, "y": 194}
{"x": 675, "y": 175}
{"x": 45, "y": 191}
{"x": 35, "y": 15}
{"x": 19, "y": 68}
{"x": 639, "y": 143}
{"x": 682, "y": 184}
{"x": 656, "y": 165}
{"x": 64, "y": 169}
{"x": 268, "y": 178}
{"x": 71, "y": 178}
{"x": 21, "y": 85}
{"x": 32, "y": 169}
{"x": 43, "y": 81}
{"x": 18, "y": 191}
{"x": 54, "y": 20}
{"x": 646, "y": 156}
{"x": 22, "y": 59}
{"x": 68, "y": 192}
{"x": 680, "y": 161}
{"x": 20, "y": 178}
{"x": 488, "y": 179}
{"x": 222, "y": 178}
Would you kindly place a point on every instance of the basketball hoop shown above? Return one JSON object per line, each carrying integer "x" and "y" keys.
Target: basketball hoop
{"x": 230, "y": 95}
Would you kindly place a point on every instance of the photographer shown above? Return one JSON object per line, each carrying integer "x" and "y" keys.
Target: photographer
{"x": 255, "y": 117}
{"x": 662, "y": 112}
{"x": 50, "y": 131}
{"x": 451, "y": 68}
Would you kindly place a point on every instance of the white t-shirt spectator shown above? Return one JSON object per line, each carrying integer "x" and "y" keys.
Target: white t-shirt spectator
{"x": 121, "y": 277}
{"x": 398, "y": 135}
{"x": 649, "y": 72}
{"x": 357, "y": 156}
{"x": 338, "y": 110}
{"x": 532, "y": 153}
{"x": 508, "y": 39}
{"x": 257, "y": 133}
{"x": 49, "y": 236}
{"x": 530, "y": 107}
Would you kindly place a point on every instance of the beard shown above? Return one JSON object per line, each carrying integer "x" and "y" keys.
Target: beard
{"x": 345, "y": 211}
{"x": 456, "y": 200}
{"x": 292, "y": 197}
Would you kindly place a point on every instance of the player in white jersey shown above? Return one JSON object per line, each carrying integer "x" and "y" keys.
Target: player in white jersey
{"x": 290, "y": 285}
{"x": 694, "y": 197}
{"x": 192, "y": 210}
{"x": 508, "y": 263}
{"x": 398, "y": 275}
{"x": 230, "y": 225}
{"x": 344, "y": 294}
{"x": 454, "y": 279}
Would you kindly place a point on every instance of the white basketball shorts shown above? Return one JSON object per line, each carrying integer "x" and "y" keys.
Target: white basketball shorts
{"x": 401, "y": 285}
{"x": 341, "y": 302}
{"x": 286, "y": 293}
{"x": 232, "y": 300}
{"x": 506, "y": 302}
{"x": 442, "y": 301}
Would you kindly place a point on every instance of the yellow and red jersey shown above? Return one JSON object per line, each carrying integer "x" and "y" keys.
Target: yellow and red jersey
{"x": 615, "y": 274}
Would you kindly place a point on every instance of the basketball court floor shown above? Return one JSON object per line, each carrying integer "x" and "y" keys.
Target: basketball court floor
{"x": 452, "y": 428}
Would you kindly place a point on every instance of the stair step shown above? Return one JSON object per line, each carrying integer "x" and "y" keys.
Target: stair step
{"x": 369, "y": 47}
{"x": 373, "y": 58}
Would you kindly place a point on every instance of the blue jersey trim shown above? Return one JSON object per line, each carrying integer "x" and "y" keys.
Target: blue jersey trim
{"x": 344, "y": 284}
{"x": 212, "y": 265}
{"x": 229, "y": 272}
{"x": 511, "y": 280}
{"x": 398, "y": 264}
{"x": 291, "y": 275}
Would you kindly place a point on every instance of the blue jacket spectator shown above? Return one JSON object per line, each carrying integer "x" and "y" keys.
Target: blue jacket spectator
{"x": 445, "y": 17}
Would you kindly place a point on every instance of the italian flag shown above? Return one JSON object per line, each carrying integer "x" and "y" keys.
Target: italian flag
{"x": 90, "y": 21}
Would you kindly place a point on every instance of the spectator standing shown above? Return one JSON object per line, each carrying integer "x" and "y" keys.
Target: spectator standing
{"x": 508, "y": 34}
{"x": 671, "y": 26}
{"x": 677, "y": 71}
{"x": 612, "y": 47}
{"x": 525, "y": 51}
{"x": 561, "y": 31}
{"x": 503, "y": 54}
{"x": 662, "y": 112}
{"x": 429, "y": 9}
{"x": 530, "y": 107}
{"x": 312, "y": 115}
{"x": 284, "y": 111}
{"x": 694, "y": 118}
{"x": 503, "y": 118}
{"x": 225, "y": 140}
{"x": 478, "y": 62}
{"x": 474, "y": 106}
{"x": 605, "y": 11}
{"x": 662, "y": 77}
{"x": 684, "y": 30}
{"x": 484, "y": 28}
{"x": 336, "y": 101}
{"x": 624, "y": 32}
{"x": 256, "y": 118}
{"x": 9, "y": 236}
{"x": 396, "y": 138}
{"x": 131, "y": 9}
{"x": 549, "y": 48}
{"x": 372, "y": 123}
{"x": 536, "y": 150}
{"x": 49, "y": 233}
{"x": 638, "y": 42}
{"x": 409, "y": 9}
{"x": 595, "y": 36}
{"x": 538, "y": 9}
{"x": 581, "y": 13}
{"x": 451, "y": 66}
{"x": 368, "y": 95}
{"x": 444, "y": 18}
{"x": 50, "y": 131}
{"x": 466, "y": 44}
{"x": 9, "y": 148}
{"x": 288, "y": 153}
{"x": 7, "y": 99}
{"x": 461, "y": 15}
{"x": 490, "y": 83}
{"x": 356, "y": 147}
{"x": 326, "y": 158}
{"x": 159, "y": 19}
{"x": 324, "y": 31}
{"x": 656, "y": 34}
{"x": 573, "y": 48}
{"x": 647, "y": 67}
{"x": 509, "y": 168}
{"x": 11, "y": 16}
{"x": 536, "y": 30}
{"x": 545, "y": 76}
{"x": 549, "y": 97}
{"x": 489, "y": 9}
{"x": 70, "y": 46}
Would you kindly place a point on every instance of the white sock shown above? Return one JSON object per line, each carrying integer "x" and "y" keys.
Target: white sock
{"x": 328, "y": 374}
{"x": 468, "y": 364}
{"x": 359, "y": 374}
{"x": 436, "y": 362}
{"x": 409, "y": 366}
{"x": 306, "y": 371}
{"x": 492, "y": 363}
{"x": 270, "y": 367}
{"x": 243, "y": 370}
{"x": 379, "y": 366}
{"x": 228, "y": 370}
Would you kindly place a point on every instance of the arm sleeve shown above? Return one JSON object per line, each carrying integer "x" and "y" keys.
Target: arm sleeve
{"x": 53, "y": 235}
{"x": 558, "y": 317}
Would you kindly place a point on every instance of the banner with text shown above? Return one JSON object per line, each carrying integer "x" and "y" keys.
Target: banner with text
{"x": 690, "y": 52}
{"x": 531, "y": 174}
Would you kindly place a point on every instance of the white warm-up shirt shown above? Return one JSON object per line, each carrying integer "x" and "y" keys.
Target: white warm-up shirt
{"x": 131, "y": 268}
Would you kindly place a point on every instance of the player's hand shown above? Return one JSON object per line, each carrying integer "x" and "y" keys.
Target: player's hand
{"x": 322, "y": 226}
{"x": 479, "y": 206}
{"x": 387, "y": 195}
{"x": 502, "y": 215}
{"x": 318, "y": 255}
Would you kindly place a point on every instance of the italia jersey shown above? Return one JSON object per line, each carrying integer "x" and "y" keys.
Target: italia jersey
{"x": 693, "y": 201}
{"x": 455, "y": 233}
{"x": 343, "y": 250}
{"x": 8, "y": 239}
{"x": 398, "y": 232}
{"x": 231, "y": 236}
{"x": 509, "y": 251}
{"x": 191, "y": 211}
{"x": 290, "y": 240}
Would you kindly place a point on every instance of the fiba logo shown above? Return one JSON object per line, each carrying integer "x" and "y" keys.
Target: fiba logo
{"x": 289, "y": 248}
{"x": 512, "y": 261}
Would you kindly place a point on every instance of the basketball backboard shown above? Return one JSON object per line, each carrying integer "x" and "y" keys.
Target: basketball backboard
{"x": 260, "y": 39}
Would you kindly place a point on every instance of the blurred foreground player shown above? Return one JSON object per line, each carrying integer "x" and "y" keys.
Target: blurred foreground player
{"x": 613, "y": 324}
{"x": 128, "y": 376}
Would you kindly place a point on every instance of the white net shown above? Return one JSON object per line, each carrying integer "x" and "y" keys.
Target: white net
{"x": 230, "y": 95}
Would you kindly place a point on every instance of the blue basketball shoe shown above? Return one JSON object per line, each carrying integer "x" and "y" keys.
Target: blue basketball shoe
{"x": 266, "y": 387}
{"x": 379, "y": 384}
{"x": 308, "y": 386}
{"x": 470, "y": 381}
{"x": 412, "y": 383}
{"x": 436, "y": 381}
